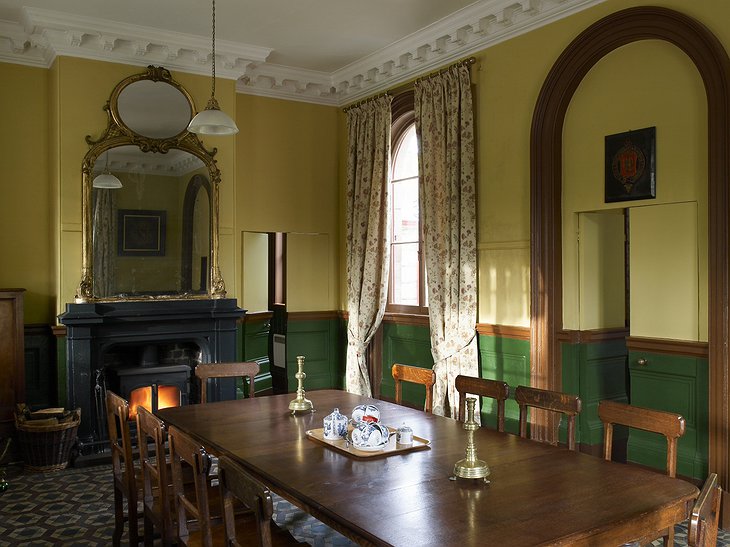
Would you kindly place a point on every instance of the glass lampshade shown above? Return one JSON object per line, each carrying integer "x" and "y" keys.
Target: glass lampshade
{"x": 106, "y": 180}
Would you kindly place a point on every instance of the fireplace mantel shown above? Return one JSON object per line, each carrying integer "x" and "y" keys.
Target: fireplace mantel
{"x": 94, "y": 327}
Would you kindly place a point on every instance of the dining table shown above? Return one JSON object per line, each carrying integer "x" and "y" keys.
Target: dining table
{"x": 536, "y": 494}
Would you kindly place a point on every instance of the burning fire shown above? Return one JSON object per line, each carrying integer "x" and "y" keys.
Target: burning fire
{"x": 167, "y": 396}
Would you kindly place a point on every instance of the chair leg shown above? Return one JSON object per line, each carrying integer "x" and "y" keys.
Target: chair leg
{"x": 118, "y": 518}
{"x": 149, "y": 536}
{"x": 133, "y": 524}
{"x": 669, "y": 538}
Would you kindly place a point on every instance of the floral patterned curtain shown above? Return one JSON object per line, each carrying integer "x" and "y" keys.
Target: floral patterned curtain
{"x": 103, "y": 235}
{"x": 445, "y": 129}
{"x": 368, "y": 167}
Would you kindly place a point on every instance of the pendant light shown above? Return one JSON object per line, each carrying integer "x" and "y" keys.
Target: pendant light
{"x": 106, "y": 179}
{"x": 212, "y": 120}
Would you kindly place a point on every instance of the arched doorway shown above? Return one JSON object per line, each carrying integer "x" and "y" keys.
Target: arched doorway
{"x": 713, "y": 65}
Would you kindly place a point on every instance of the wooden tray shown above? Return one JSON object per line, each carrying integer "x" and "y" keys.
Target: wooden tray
{"x": 390, "y": 449}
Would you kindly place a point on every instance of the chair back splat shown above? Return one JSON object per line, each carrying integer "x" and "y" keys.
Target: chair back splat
{"x": 484, "y": 387}
{"x": 127, "y": 484}
{"x": 703, "y": 522}
{"x": 414, "y": 375}
{"x": 669, "y": 424}
{"x": 555, "y": 401}
{"x": 155, "y": 477}
{"x": 205, "y": 371}
{"x": 237, "y": 484}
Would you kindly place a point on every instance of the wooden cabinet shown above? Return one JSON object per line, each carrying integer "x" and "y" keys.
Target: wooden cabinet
{"x": 12, "y": 353}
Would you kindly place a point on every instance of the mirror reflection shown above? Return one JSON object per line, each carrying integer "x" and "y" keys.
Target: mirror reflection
{"x": 154, "y": 109}
{"x": 152, "y": 236}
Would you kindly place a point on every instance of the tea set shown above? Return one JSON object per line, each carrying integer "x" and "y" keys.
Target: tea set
{"x": 363, "y": 429}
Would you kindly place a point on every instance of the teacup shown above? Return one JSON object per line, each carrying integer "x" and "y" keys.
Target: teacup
{"x": 370, "y": 435}
{"x": 360, "y": 412}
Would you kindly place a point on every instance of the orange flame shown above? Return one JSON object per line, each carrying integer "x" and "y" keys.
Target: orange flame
{"x": 167, "y": 396}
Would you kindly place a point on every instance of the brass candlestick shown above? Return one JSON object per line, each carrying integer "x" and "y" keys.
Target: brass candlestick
{"x": 471, "y": 467}
{"x": 301, "y": 403}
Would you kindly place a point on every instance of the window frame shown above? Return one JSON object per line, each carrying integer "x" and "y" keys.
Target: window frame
{"x": 403, "y": 115}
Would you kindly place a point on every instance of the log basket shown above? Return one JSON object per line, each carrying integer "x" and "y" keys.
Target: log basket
{"x": 46, "y": 446}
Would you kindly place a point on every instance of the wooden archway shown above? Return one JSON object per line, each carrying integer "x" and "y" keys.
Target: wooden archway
{"x": 713, "y": 65}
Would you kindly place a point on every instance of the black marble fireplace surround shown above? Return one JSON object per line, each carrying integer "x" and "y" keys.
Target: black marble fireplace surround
{"x": 97, "y": 328}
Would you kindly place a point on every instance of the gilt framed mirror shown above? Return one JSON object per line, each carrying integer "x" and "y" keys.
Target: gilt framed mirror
{"x": 152, "y": 232}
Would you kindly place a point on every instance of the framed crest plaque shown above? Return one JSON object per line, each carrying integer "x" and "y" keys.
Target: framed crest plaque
{"x": 631, "y": 165}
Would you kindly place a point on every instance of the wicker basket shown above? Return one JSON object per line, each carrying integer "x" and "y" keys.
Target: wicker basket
{"x": 46, "y": 447}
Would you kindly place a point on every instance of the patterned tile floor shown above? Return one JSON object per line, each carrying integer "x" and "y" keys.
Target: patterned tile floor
{"x": 74, "y": 508}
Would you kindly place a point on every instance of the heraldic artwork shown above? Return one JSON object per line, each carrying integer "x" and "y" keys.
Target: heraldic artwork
{"x": 631, "y": 165}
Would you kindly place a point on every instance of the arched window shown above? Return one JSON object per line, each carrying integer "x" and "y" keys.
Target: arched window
{"x": 407, "y": 292}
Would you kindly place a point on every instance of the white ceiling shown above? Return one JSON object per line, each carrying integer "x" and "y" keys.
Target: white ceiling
{"x": 324, "y": 51}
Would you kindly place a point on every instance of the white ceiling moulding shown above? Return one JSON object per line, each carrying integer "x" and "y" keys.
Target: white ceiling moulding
{"x": 45, "y": 34}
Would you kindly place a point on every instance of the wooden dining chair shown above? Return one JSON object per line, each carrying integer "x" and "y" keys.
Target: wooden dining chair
{"x": 206, "y": 371}
{"x": 669, "y": 424}
{"x": 484, "y": 387}
{"x": 191, "y": 507}
{"x": 127, "y": 480}
{"x": 237, "y": 484}
{"x": 415, "y": 375}
{"x": 555, "y": 401}
{"x": 155, "y": 478}
{"x": 704, "y": 520}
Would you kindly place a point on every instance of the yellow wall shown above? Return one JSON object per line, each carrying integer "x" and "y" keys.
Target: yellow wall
{"x": 666, "y": 91}
{"x": 25, "y": 197}
{"x": 618, "y": 94}
{"x": 285, "y": 170}
{"x": 287, "y": 181}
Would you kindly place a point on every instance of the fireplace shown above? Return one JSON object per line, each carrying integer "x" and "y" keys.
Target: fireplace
{"x": 143, "y": 349}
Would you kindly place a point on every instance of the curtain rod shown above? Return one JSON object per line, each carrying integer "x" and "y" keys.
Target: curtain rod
{"x": 464, "y": 62}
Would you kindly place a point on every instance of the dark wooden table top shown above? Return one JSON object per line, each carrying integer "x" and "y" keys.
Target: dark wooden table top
{"x": 538, "y": 495}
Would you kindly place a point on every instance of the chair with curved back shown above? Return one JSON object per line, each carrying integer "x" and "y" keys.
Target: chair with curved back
{"x": 484, "y": 387}
{"x": 237, "y": 484}
{"x": 669, "y": 424}
{"x": 415, "y": 375}
{"x": 206, "y": 371}
{"x": 155, "y": 477}
{"x": 127, "y": 480}
{"x": 703, "y": 522}
{"x": 555, "y": 401}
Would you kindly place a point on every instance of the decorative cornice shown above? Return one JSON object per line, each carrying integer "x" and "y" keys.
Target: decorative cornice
{"x": 46, "y": 34}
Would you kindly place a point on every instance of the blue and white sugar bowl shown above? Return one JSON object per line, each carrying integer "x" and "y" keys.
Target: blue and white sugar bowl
{"x": 370, "y": 436}
{"x": 335, "y": 425}
{"x": 367, "y": 413}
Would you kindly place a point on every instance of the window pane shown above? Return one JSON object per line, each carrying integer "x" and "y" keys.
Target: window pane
{"x": 405, "y": 162}
{"x": 405, "y": 211}
{"x": 405, "y": 274}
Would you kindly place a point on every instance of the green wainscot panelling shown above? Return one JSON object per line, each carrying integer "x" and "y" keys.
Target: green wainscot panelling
{"x": 676, "y": 384}
{"x": 508, "y": 360}
{"x": 407, "y": 345}
{"x": 319, "y": 341}
{"x": 594, "y": 371}
{"x": 61, "y": 371}
{"x": 253, "y": 345}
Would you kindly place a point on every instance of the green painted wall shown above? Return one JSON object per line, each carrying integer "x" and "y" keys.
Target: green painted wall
{"x": 594, "y": 371}
{"x": 674, "y": 384}
{"x": 320, "y": 342}
{"x": 407, "y": 345}
{"x": 254, "y": 346}
{"x": 508, "y": 360}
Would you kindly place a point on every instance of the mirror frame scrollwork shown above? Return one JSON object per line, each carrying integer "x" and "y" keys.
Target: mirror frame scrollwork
{"x": 117, "y": 133}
